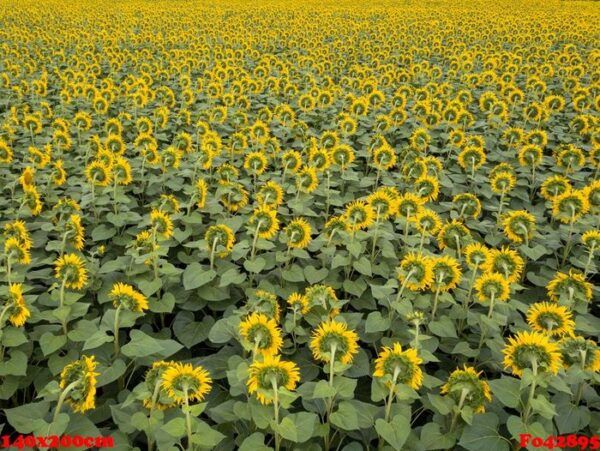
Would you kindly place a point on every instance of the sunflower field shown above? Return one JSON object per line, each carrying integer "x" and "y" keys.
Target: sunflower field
{"x": 300, "y": 225}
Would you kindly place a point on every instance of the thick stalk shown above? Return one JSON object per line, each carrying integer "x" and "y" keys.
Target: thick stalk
{"x": 62, "y": 398}
{"x": 116, "y": 331}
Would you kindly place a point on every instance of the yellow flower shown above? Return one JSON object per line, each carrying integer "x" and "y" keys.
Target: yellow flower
{"x": 471, "y": 158}
{"x": 555, "y": 320}
{"x": 307, "y": 180}
{"x": 298, "y": 233}
{"x": 427, "y": 187}
{"x": 264, "y": 221}
{"x": 81, "y": 376}
{"x": 519, "y": 226}
{"x": 255, "y": 163}
{"x": 75, "y": 231}
{"x": 475, "y": 254}
{"x": 529, "y": 350}
{"x": 408, "y": 205}
{"x": 162, "y": 223}
{"x": 446, "y": 273}
{"x": 570, "y": 206}
{"x": 342, "y": 155}
{"x": 98, "y": 173}
{"x": 332, "y": 339}
{"x": 270, "y": 194}
{"x": 184, "y": 382}
{"x": 261, "y": 333}
{"x": 402, "y": 367}
{"x": 579, "y": 351}
{"x": 492, "y": 283}
{"x": 572, "y": 285}
{"x": 359, "y": 215}
{"x": 219, "y": 237}
{"x": 300, "y": 302}
{"x": 124, "y": 295}
{"x": 502, "y": 182}
{"x": 17, "y": 250}
{"x": 153, "y": 380}
{"x": 269, "y": 374}
{"x": 70, "y": 268}
{"x": 15, "y": 307}
{"x": 202, "y": 188}
{"x": 468, "y": 204}
{"x": 506, "y": 262}
{"x": 591, "y": 239}
{"x": 453, "y": 235}
{"x": 468, "y": 380}
{"x": 6, "y": 152}
{"x": 382, "y": 203}
{"x": 415, "y": 272}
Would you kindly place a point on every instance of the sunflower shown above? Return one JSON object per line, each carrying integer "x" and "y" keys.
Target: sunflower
{"x": 453, "y": 235}
{"x": 121, "y": 170}
{"x": 15, "y": 307}
{"x": 468, "y": 205}
{"x": 75, "y": 231}
{"x": 382, "y": 203}
{"x": 384, "y": 157}
{"x": 261, "y": 334}
{"x": 590, "y": 239}
{"x": 554, "y": 187}
{"x": 471, "y": 158}
{"x": 506, "y": 262}
{"x": 333, "y": 341}
{"x": 161, "y": 223}
{"x": 298, "y": 233}
{"x": 427, "y": 221}
{"x": 531, "y": 350}
{"x": 307, "y": 179}
{"x": 6, "y": 152}
{"x": 154, "y": 384}
{"x": 184, "y": 382}
{"x": 33, "y": 201}
{"x": 323, "y": 297}
{"x": 446, "y": 273}
{"x": 270, "y": 194}
{"x": 359, "y": 215}
{"x": 409, "y": 205}
{"x": 570, "y": 206}
{"x": 298, "y": 302}
{"x": 98, "y": 173}
{"x": 336, "y": 225}
{"x": 502, "y": 182}
{"x": 219, "y": 237}
{"x": 492, "y": 284}
{"x": 17, "y": 229}
{"x": 415, "y": 272}
{"x": 420, "y": 139}
{"x": 125, "y": 296}
{"x": 402, "y": 367}
{"x": 27, "y": 177}
{"x": 201, "y": 189}
{"x": 476, "y": 254}
{"x": 572, "y": 285}
{"x": 530, "y": 155}
{"x": 17, "y": 250}
{"x": 271, "y": 374}
{"x": 264, "y": 220}
{"x": 342, "y": 155}
{"x": 592, "y": 193}
{"x": 466, "y": 383}
{"x": 579, "y": 351}
{"x": 79, "y": 377}
{"x": 70, "y": 269}
{"x": 291, "y": 160}
{"x": 519, "y": 226}
{"x": 255, "y": 163}
{"x": 235, "y": 196}
{"x": 552, "y": 319}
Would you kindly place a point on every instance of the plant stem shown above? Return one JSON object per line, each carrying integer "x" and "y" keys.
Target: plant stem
{"x": 461, "y": 402}
{"x": 62, "y": 398}
{"x": 188, "y": 418}
{"x": 116, "y": 331}
{"x": 276, "y": 412}
{"x": 534, "y": 368}
{"x": 255, "y": 240}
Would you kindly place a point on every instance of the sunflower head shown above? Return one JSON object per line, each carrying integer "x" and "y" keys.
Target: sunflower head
{"x": 298, "y": 303}
{"x": 591, "y": 239}
{"x": 579, "y": 351}
{"x": 359, "y": 215}
{"x": 298, "y": 233}
{"x": 519, "y": 226}
{"x": 270, "y": 194}
{"x": 17, "y": 250}
{"x": 323, "y": 299}
{"x": 467, "y": 382}
{"x": 399, "y": 366}
{"x": 427, "y": 221}
{"x": 453, "y": 235}
{"x": 531, "y": 350}
{"x": 261, "y": 333}
{"x": 16, "y": 307}
{"x": 270, "y": 374}
{"x": 264, "y": 221}
{"x": 161, "y": 222}
{"x": 125, "y": 296}
{"x": 415, "y": 272}
{"x": 382, "y": 203}
{"x": 446, "y": 273}
{"x": 570, "y": 206}
{"x": 551, "y": 319}
{"x": 81, "y": 376}
{"x": 467, "y": 204}
{"x": 492, "y": 284}
{"x": 70, "y": 268}
{"x": 476, "y": 254}
{"x": 219, "y": 238}
{"x": 333, "y": 340}
{"x": 154, "y": 382}
{"x": 184, "y": 382}
{"x": 572, "y": 285}
{"x": 504, "y": 261}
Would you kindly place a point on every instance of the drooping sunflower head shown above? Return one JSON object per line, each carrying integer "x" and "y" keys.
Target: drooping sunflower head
{"x": 359, "y": 215}
{"x": 572, "y": 285}
{"x": 446, "y": 273}
{"x": 529, "y": 350}
{"x": 554, "y": 187}
{"x": 427, "y": 187}
{"x": 476, "y": 254}
{"x": 184, "y": 381}
{"x": 125, "y": 296}
{"x": 342, "y": 155}
{"x": 153, "y": 381}
{"x": 298, "y": 233}
{"x": 467, "y": 380}
{"x": 384, "y": 157}
{"x": 333, "y": 340}
{"x": 17, "y": 250}
{"x": 592, "y": 194}
{"x": 269, "y": 374}
{"x": 227, "y": 173}
{"x": 399, "y": 367}
{"x": 420, "y": 139}
{"x": 264, "y": 222}
{"x": 492, "y": 284}
{"x": 235, "y": 196}
{"x": 98, "y": 173}
{"x": 505, "y": 261}
{"x": 299, "y": 303}
{"x": 551, "y": 319}
{"x": 570, "y": 206}
{"x": 270, "y": 194}
{"x": 219, "y": 238}
{"x": 453, "y": 235}
{"x": 409, "y": 205}
{"x": 502, "y": 182}
{"x": 591, "y": 239}
{"x": 427, "y": 221}
{"x": 162, "y": 223}
{"x": 261, "y": 333}
{"x": 467, "y": 204}
{"x": 323, "y": 298}
{"x": 70, "y": 268}
{"x": 17, "y": 309}
{"x": 75, "y": 231}
{"x": 519, "y": 226}
{"x": 382, "y": 203}
{"x": 307, "y": 179}
{"x": 335, "y": 226}
{"x": 415, "y": 272}
{"x": 471, "y": 158}
{"x": 256, "y": 163}
{"x": 80, "y": 375}
{"x": 579, "y": 351}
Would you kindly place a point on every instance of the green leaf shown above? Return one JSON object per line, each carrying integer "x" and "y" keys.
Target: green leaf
{"x": 483, "y": 434}
{"x": 13, "y": 337}
{"x": 103, "y": 232}
{"x": 21, "y": 417}
{"x": 345, "y": 417}
{"x": 376, "y": 323}
{"x": 254, "y": 442}
{"x": 432, "y": 438}
{"x": 256, "y": 265}
{"x": 516, "y": 427}
{"x": 231, "y": 276}
{"x": 363, "y": 266}
{"x": 97, "y": 339}
{"x": 507, "y": 390}
{"x": 545, "y": 408}
{"x": 443, "y": 328}
{"x": 294, "y": 274}
{"x": 15, "y": 366}
{"x": 313, "y": 275}
{"x": 149, "y": 287}
{"x": 205, "y": 435}
{"x": 176, "y": 427}
{"x": 287, "y": 429}
{"x": 395, "y": 432}
{"x": 195, "y": 276}
{"x": 323, "y": 390}
{"x": 190, "y": 332}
